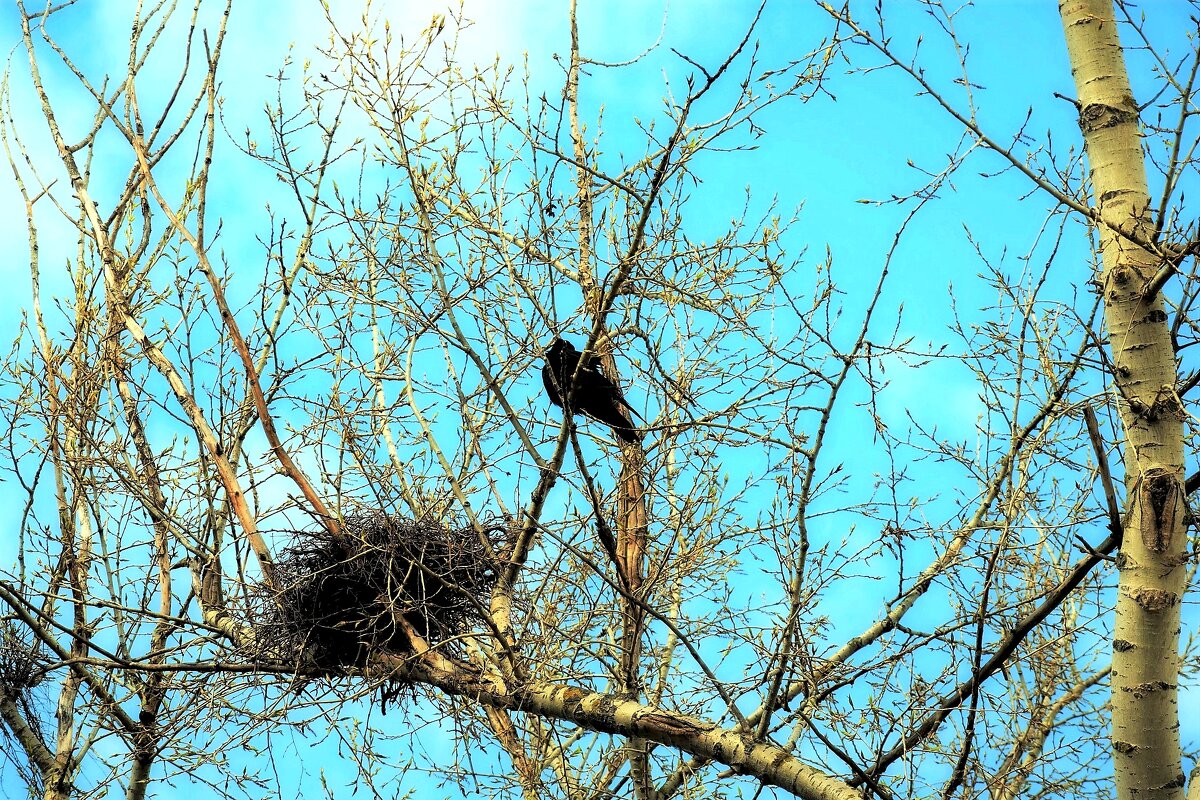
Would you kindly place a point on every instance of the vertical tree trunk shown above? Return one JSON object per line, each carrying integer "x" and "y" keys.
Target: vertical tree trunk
{"x": 632, "y": 527}
{"x": 1145, "y": 732}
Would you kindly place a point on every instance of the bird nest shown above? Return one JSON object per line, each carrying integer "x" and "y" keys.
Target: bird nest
{"x": 22, "y": 664}
{"x": 340, "y": 597}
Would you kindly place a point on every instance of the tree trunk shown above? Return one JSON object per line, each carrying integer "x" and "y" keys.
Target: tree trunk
{"x": 1146, "y": 751}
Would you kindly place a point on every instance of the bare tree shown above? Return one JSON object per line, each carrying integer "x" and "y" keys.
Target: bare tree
{"x": 280, "y": 479}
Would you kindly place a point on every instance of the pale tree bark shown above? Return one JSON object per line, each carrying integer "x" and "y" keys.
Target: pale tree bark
{"x": 1146, "y": 748}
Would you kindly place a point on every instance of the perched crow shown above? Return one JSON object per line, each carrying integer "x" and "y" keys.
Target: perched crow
{"x": 596, "y": 395}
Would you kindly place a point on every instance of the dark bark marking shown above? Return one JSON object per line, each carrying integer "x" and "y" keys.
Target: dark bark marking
{"x": 1098, "y": 116}
{"x": 1161, "y": 497}
{"x": 1153, "y": 600}
{"x": 1178, "y": 782}
{"x": 1141, "y": 691}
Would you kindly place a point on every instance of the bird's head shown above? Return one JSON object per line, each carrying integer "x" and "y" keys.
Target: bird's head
{"x": 559, "y": 347}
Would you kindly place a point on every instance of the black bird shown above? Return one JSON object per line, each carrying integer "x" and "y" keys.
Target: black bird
{"x": 597, "y": 395}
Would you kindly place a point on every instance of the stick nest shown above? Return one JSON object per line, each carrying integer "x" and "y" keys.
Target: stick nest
{"x": 23, "y": 665}
{"x": 340, "y": 597}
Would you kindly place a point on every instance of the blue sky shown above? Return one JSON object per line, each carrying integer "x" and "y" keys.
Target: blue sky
{"x": 823, "y": 157}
